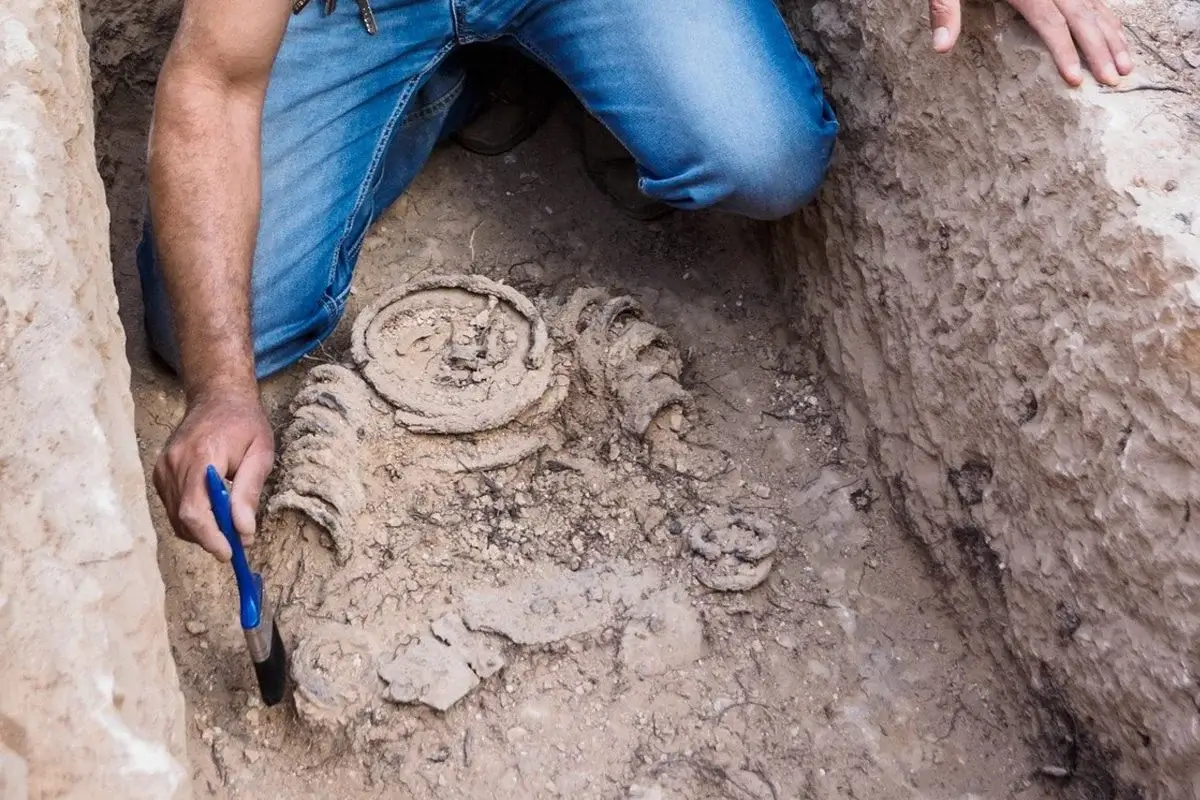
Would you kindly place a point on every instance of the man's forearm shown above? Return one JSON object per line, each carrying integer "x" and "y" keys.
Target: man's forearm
{"x": 204, "y": 201}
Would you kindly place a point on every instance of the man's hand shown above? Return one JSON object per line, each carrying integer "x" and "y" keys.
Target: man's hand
{"x": 1063, "y": 25}
{"x": 232, "y": 434}
{"x": 204, "y": 175}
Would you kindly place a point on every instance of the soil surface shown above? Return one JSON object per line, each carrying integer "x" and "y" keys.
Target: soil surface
{"x": 578, "y": 599}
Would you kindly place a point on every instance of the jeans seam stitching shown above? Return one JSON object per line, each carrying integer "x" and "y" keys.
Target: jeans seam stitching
{"x": 406, "y": 94}
{"x": 427, "y": 111}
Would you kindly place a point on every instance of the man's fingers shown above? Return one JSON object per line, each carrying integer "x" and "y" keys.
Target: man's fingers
{"x": 945, "y": 17}
{"x": 1117, "y": 43}
{"x": 1051, "y": 25}
{"x": 247, "y": 486}
{"x": 1086, "y": 27}
{"x": 196, "y": 520}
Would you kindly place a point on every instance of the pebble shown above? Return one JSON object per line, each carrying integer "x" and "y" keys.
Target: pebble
{"x": 252, "y": 755}
{"x": 721, "y": 703}
{"x": 195, "y": 627}
{"x": 761, "y": 490}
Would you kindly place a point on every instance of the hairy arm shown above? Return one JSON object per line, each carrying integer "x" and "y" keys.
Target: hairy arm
{"x": 204, "y": 201}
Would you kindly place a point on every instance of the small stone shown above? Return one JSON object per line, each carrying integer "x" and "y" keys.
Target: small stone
{"x": 252, "y": 755}
{"x": 428, "y": 672}
{"x": 252, "y": 716}
{"x": 722, "y": 703}
{"x": 1171, "y": 185}
{"x": 1192, "y": 57}
{"x": 394, "y": 522}
{"x": 761, "y": 490}
{"x": 515, "y": 734}
{"x": 195, "y": 627}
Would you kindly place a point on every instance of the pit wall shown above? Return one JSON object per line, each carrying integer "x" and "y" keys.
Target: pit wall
{"x": 1002, "y": 272}
{"x": 90, "y": 705}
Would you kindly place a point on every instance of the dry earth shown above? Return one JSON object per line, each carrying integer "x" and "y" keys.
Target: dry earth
{"x": 843, "y": 675}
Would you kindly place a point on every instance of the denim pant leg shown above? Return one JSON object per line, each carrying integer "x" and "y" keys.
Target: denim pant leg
{"x": 349, "y": 120}
{"x": 712, "y": 97}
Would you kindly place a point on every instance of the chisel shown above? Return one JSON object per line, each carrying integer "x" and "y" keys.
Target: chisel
{"x": 258, "y": 622}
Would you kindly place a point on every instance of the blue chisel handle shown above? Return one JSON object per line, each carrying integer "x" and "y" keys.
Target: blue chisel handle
{"x": 249, "y": 583}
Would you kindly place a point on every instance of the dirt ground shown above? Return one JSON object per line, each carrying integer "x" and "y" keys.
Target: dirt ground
{"x": 623, "y": 675}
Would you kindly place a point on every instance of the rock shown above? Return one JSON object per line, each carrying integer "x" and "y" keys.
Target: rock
{"x": 195, "y": 627}
{"x": 428, "y": 672}
{"x": 664, "y": 633}
{"x": 557, "y": 603}
{"x": 652, "y": 791}
{"x": 481, "y": 655}
{"x": 88, "y": 692}
{"x": 966, "y": 322}
{"x": 732, "y": 553}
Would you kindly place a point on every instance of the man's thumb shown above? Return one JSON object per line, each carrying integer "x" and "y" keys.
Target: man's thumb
{"x": 247, "y": 488}
{"x": 945, "y": 17}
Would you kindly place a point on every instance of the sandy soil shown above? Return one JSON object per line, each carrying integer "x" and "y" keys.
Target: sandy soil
{"x": 623, "y": 675}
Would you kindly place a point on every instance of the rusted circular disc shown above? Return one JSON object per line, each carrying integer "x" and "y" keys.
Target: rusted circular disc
{"x": 454, "y": 353}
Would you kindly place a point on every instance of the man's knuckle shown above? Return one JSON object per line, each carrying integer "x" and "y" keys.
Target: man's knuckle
{"x": 190, "y": 515}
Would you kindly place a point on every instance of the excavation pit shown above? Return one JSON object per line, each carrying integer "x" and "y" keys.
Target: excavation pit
{"x": 965, "y": 375}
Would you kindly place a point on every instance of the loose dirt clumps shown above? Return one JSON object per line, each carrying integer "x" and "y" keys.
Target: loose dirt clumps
{"x": 733, "y": 553}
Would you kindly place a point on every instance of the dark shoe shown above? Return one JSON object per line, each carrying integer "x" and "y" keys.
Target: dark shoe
{"x": 517, "y": 97}
{"x": 614, "y": 171}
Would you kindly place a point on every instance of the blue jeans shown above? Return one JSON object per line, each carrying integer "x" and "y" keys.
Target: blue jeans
{"x": 711, "y": 97}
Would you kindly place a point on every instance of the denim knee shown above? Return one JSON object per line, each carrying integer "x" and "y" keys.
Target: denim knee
{"x": 763, "y": 162}
{"x": 779, "y": 169}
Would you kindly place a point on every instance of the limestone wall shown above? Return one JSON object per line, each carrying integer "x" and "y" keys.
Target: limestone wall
{"x": 1003, "y": 274}
{"x": 89, "y": 701}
